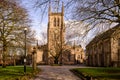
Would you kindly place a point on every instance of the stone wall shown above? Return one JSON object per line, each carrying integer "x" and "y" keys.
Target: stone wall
{"x": 103, "y": 49}
{"x": 115, "y": 48}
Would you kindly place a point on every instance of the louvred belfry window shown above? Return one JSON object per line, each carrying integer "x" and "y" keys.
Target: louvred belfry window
{"x": 54, "y": 21}
{"x": 58, "y": 22}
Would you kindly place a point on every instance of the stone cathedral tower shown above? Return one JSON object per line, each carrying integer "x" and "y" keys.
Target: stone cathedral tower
{"x": 55, "y": 32}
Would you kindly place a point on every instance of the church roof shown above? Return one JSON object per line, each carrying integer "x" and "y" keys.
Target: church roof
{"x": 104, "y": 35}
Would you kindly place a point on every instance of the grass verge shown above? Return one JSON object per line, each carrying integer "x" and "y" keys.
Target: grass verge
{"x": 16, "y": 73}
{"x": 98, "y": 73}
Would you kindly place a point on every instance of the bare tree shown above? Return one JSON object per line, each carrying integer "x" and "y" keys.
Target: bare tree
{"x": 98, "y": 11}
{"x": 91, "y": 11}
{"x": 100, "y": 15}
{"x": 13, "y": 20}
{"x": 56, "y": 50}
{"x": 43, "y": 38}
{"x": 97, "y": 14}
{"x": 79, "y": 30}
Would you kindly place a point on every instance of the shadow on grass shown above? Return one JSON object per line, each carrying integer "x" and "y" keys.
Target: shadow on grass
{"x": 109, "y": 77}
{"x": 98, "y": 73}
{"x": 14, "y": 72}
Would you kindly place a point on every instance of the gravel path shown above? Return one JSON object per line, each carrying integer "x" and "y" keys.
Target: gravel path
{"x": 56, "y": 73}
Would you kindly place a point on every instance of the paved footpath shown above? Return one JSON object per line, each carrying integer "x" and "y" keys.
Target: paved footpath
{"x": 56, "y": 73}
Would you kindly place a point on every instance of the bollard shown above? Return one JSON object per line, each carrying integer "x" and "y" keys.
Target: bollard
{"x": 34, "y": 56}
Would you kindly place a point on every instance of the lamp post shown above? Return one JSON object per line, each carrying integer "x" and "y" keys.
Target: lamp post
{"x": 25, "y": 30}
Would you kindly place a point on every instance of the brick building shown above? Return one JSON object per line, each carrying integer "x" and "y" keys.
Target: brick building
{"x": 104, "y": 49}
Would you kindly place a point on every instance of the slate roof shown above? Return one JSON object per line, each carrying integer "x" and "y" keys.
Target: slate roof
{"x": 104, "y": 35}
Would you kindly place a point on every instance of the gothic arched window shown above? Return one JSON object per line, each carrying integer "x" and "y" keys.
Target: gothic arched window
{"x": 54, "y": 21}
{"x": 58, "y": 22}
{"x": 119, "y": 42}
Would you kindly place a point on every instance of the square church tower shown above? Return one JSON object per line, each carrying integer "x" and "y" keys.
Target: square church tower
{"x": 56, "y": 30}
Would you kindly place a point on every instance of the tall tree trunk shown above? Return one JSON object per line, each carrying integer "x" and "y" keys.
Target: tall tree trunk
{"x": 56, "y": 61}
{"x": 4, "y": 57}
{"x": 4, "y": 62}
{"x": 14, "y": 60}
{"x": 14, "y": 57}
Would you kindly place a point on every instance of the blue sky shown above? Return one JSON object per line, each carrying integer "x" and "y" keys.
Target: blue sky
{"x": 39, "y": 27}
{"x": 35, "y": 16}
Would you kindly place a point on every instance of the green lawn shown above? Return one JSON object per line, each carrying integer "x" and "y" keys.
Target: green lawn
{"x": 99, "y": 73}
{"x": 15, "y": 73}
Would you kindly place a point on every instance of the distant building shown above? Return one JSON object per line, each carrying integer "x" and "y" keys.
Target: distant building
{"x": 70, "y": 55}
{"x": 73, "y": 55}
{"x": 42, "y": 55}
{"x": 13, "y": 56}
{"x": 104, "y": 49}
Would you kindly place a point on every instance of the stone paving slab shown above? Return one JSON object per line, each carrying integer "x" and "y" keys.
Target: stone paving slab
{"x": 56, "y": 73}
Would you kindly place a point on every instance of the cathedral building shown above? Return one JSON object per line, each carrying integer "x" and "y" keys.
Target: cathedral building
{"x": 56, "y": 51}
{"x": 56, "y": 43}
